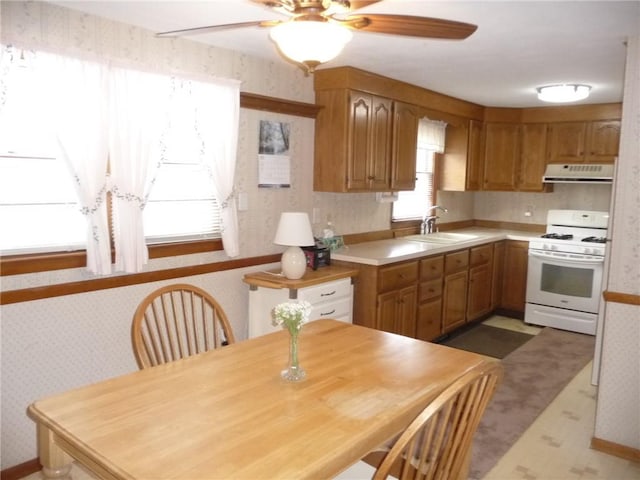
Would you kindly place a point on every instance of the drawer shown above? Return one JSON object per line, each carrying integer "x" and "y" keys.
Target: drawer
{"x": 430, "y": 289}
{"x": 481, "y": 255}
{"x": 339, "y": 308}
{"x": 325, "y": 292}
{"x": 456, "y": 262}
{"x": 397, "y": 276}
{"x": 431, "y": 268}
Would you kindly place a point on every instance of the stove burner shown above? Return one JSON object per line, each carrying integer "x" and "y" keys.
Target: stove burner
{"x": 558, "y": 236}
{"x": 595, "y": 239}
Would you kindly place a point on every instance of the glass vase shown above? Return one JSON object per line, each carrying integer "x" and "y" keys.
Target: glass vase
{"x": 294, "y": 372}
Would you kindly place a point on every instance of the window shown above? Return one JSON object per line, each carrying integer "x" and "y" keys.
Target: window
{"x": 413, "y": 205}
{"x": 161, "y": 166}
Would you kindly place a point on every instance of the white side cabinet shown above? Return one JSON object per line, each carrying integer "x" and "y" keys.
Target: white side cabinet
{"x": 329, "y": 290}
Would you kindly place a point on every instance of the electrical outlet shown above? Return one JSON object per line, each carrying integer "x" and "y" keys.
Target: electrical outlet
{"x": 529, "y": 211}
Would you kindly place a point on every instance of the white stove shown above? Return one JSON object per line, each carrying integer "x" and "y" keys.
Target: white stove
{"x": 565, "y": 267}
{"x": 574, "y": 231}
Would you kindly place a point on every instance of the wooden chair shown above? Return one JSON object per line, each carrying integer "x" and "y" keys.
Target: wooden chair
{"x": 437, "y": 443}
{"x": 177, "y": 321}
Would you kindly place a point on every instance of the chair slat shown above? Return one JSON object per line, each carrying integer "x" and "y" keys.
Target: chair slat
{"x": 175, "y": 322}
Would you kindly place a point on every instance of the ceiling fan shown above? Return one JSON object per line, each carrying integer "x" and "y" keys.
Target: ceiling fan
{"x": 317, "y": 30}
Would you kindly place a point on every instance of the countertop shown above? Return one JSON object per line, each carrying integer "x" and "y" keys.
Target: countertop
{"x": 384, "y": 252}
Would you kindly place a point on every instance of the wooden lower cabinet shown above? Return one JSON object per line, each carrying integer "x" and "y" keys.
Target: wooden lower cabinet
{"x": 480, "y": 277}
{"x": 514, "y": 288}
{"x": 429, "y": 313}
{"x": 434, "y": 295}
{"x": 454, "y": 295}
{"x": 396, "y": 311}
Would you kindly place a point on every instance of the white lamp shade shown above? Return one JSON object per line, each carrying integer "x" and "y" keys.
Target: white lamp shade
{"x": 310, "y": 41}
{"x": 294, "y": 229}
{"x": 563, "y": 93}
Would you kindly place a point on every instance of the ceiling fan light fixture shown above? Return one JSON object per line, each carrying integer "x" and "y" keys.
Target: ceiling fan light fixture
{"x": 563, "y": 93}
{"x": 310, "y": 42}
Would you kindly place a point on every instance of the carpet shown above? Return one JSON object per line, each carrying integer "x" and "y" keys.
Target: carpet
{"x": 534, "y": 375}
{"x": 486, "y": 340}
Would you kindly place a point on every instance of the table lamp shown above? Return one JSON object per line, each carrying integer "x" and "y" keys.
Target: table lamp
{"x": 294, "y": 231}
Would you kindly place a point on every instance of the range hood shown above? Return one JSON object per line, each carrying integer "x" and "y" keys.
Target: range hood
{"x": 578, "y": 173}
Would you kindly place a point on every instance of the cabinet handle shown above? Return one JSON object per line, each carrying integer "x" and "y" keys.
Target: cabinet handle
{"x": 322, "y": 314}
{"x": 371, "y": 177}
{"x": 328, "y": 294}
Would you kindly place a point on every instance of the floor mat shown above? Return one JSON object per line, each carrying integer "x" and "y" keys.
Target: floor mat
{"x": 486, "y": 340}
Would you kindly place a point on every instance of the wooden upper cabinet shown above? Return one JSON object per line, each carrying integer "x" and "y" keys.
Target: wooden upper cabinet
{"x": 462, "y": 160}
{"x": 364, "y": 143}
{"x": 578, "y": 142}
{"x": 603, "y": 141}
{"x": 533, "y": 141}
{"x": 405, "y": 144}
{"x": 501, "y": 156}
{"x": 565, "y": 142}
{"x": 369, "y": 142}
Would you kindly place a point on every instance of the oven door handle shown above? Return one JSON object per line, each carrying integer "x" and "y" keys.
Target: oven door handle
{"x": 559, "y": 257}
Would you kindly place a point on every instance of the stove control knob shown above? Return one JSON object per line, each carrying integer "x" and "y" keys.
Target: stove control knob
{"x": 554, "y": 247}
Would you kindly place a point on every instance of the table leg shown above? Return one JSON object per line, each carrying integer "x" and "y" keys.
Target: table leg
{"x": 55, "y": 462}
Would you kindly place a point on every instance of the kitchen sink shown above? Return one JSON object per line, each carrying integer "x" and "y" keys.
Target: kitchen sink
{"x": 441, "y": 237}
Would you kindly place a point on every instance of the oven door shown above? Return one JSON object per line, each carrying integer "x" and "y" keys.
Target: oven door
{"x": 564, "y": 280}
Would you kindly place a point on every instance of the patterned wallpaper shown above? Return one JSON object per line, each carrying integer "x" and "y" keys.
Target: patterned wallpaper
{"x": 618, "y": 414}
{"x": 56, "y": 344}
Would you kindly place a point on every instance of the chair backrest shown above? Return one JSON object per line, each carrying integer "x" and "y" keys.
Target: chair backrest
{"x": 437, "y": 444}
{"x": 177, "y": 321}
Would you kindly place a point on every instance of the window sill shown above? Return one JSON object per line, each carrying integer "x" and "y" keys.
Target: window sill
{"x": 43, "y": 262}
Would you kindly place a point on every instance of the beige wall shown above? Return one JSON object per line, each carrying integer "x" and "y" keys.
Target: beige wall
{"x": 618, "y": 407}
{"x": 55, "y": 344}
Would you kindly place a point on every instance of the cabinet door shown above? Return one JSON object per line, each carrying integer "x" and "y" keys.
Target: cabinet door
{"x": 475, "y": 157}
{"x": 533, "y": 158}
{"x": 479, "y": 296}
{"x": 514, "y": 287}
{"x": 407, "y": 300}
{"x": 405, "y": 143}
{"x": 565, "y": 142}
{"x": 498, "y": 272}
{"x": 386, "y": 311}
{"x": 603, "y": 141}
{"x": 462, "y": 159}
{"x": 429, "y": 320}
{"x": 396, "y": 311}
{"x": 501, "y": 156}
{"x": 454, "y": 300}
{"x": 369, "y": 142}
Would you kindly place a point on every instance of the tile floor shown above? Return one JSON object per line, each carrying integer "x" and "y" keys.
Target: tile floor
{"x": 556, "y": 445}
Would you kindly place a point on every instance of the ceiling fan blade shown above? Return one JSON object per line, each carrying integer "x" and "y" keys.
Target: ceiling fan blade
{"x": 410, "y": 26}
{"x": 358, "y": 4}
{"x": 216, "y": 28}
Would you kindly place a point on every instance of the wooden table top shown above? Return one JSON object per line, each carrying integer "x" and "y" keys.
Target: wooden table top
{"x": 227, "y": 414}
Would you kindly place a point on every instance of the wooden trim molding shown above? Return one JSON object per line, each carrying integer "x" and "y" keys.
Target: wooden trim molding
{"x": 254, "y": 101}
{"x": 615, "y": 449}
{"x": 20, "y": 471}
{"x": 49, "y": 291}
{"x": 618, "y": 297}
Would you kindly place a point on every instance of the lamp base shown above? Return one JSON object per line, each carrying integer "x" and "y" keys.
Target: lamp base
{"x": 294, "y": 263}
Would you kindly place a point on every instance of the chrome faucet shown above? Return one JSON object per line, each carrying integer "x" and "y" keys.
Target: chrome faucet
{"x": 428, "y": 224}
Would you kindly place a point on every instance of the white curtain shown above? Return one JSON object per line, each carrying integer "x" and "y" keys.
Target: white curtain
{"x": 137, "y": 113}
{"x": 220, "y": 150}
{"x": 78, "y": 95}
{"x": 431, "y": 135}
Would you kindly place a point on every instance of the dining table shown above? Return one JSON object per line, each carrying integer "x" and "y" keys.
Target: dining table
{"x": 228, "y": 414}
